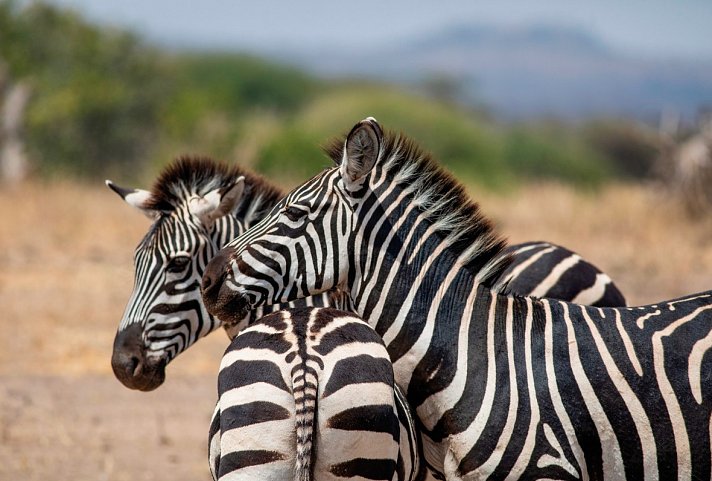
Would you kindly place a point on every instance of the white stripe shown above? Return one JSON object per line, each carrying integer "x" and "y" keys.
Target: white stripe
{"x": 635, "y": 408}
{"x": 525, "y": 265}
{"x": 467, "y": 438}
{"x": 630, "y": 350}
{"x": 442, "y": 401}
{"x": 490, "y": 465}
{"x": 548, "y": 460}
{"x": 694, "y": 366}
{"x": 525, "y": 455}
{"x": 555, "y": 275}
{"x": 611, "y": 451}
{"x": 561, "y": 413}
{"x": 594, "y": 293}
{"x": 641, "y": 320}
{"x": 682, "y": 442}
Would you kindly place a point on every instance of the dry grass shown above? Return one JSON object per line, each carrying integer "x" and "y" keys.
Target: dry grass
{"x": 66, "y": 251}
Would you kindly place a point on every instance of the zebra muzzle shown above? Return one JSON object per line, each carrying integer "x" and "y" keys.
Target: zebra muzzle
{"x": 130, "y": 364}
{"x": 222, "y": 302}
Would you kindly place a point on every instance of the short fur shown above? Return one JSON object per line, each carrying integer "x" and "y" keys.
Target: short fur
{"x": 445, "y": 201}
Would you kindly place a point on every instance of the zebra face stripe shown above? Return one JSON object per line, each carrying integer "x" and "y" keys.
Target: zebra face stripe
{"x": 300, "y": 249}
{"x": 165, "y": 314}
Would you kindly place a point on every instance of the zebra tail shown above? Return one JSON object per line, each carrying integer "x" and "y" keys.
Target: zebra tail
{"x": 305, "y": 384}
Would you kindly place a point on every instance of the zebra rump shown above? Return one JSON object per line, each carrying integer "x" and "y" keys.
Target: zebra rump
{"x": 309, "y": 394}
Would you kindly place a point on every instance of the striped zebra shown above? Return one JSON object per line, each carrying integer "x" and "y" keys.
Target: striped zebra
{"x": 197, "y": 206}
{"x": 309, "y": 394}
{"x": 504, "y": 386}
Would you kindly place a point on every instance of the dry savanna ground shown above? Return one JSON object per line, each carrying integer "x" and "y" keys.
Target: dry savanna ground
{"x": 65, "y": 275}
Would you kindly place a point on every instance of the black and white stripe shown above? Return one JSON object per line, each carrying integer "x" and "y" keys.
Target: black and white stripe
{"x": 197, "y": 206}
{"x": 309, "y": 394}
{"x": 541, "y": 269}
{"x": 504, "y": 387}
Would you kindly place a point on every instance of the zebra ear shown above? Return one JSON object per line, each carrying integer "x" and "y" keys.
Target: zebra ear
{"x": 218, "y": 202}
{"x": 137, "y": 198}
{"x": 362, "y": 149}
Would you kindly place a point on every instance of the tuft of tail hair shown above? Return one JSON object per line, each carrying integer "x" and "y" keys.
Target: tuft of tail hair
{"x": 305, "y": 387}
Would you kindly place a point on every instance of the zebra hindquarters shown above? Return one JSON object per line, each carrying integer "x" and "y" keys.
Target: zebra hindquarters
{"x": 256, "y": 412}
{"x": 307, "y": 394}
{"x": 358, "y": 428}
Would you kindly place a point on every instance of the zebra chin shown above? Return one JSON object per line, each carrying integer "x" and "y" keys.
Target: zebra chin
{"x": 131, "y": 366}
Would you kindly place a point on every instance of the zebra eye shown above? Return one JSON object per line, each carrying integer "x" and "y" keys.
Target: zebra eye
{"x": 178, "y": 264}
{"x": 294, "y": 213}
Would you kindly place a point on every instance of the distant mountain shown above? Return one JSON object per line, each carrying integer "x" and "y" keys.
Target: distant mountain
{"x": 530, "y": 71}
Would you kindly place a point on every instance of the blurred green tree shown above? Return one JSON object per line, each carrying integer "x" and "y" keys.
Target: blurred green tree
{"x": 96, "y": 93}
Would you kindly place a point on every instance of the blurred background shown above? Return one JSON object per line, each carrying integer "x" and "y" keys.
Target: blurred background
{"x": 586, "y": 124}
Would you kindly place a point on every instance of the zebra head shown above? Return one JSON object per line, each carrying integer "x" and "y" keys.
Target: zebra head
{"x": 192, "y": 207}
{"x": 302, "y": 247}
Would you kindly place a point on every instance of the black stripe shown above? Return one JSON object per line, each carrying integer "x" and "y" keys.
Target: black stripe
{"x": 243, "y": 459}
{"x": 260, "y": 340}
{"x": 533, "y": 275}
{"x": 251, "y": 413}
{"x": 377, "y": 418}
{"x": 612, "y": 297}
{"x": 244, "y": 373}
{"x": 365, "y": 468}
{"x": 357, "y": 370}
{"x": 575, "y": 279}
{"x": 352, "y": 332}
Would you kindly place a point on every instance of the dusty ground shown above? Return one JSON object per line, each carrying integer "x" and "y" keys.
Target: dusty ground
{"x": 65, "y": 274}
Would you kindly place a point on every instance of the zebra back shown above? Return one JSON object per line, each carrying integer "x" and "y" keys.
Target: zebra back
{"x": 542, "y": 269}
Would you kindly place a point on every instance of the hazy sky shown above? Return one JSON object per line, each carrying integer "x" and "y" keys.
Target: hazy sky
{"x": 649, "y": 27}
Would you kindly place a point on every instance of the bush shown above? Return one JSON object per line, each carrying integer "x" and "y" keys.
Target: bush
{"x": 631, "y": 150}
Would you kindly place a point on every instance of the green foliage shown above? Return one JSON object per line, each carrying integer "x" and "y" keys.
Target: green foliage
{"x": 553, "y": 152}
{"x": 463, "y": 143}
{"x": 103, "y": 101}
{"x": 95, "y": 94}
{"x": 474, "y": 150}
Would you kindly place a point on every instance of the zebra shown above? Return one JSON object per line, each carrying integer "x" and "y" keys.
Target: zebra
{"x": 197, "y": 205}
{"x": 308, "y": 393}
{"x": 503, "y": 386}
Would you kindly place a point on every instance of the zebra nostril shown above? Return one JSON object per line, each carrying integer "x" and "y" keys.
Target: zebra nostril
{"x": 134, "y": 366}
{"x": 207, "y": 282}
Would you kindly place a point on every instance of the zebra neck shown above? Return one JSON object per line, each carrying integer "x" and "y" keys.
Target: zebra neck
{"x": 401, "y": 267}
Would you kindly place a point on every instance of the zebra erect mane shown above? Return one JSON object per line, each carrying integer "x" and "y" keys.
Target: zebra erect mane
{"x": 197, "y": 175}
{"x": 444, "y": 201}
